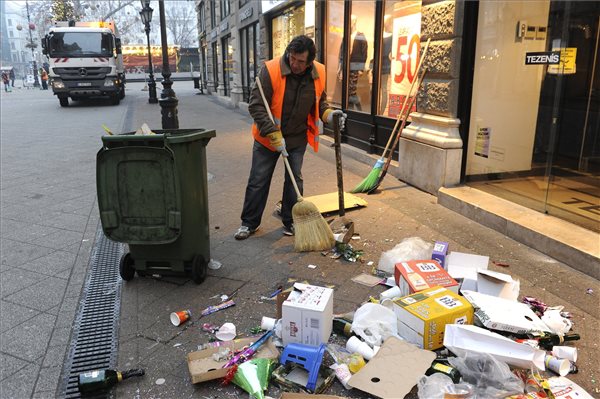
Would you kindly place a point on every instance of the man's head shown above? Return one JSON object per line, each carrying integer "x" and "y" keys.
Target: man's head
{"x": 300, "y": 54}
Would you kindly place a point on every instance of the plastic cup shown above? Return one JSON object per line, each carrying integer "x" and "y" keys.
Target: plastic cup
{"x": 355, "y": 345}
{"x": 565, "y": 352}
{"x": 392, "y": 293}
{"x": 178, "y": 318}
{"x": 559, "y": 366}
{"x": 267, "y": 323}
{"x": 226, "y": 332}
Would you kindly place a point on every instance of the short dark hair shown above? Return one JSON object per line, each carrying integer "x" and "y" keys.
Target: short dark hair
{"x": 300, "y": 44}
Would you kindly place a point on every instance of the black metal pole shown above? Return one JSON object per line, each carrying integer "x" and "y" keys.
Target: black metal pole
{"x": 151, "y": 84}
{"x": 32, "y": 45}
{"x": 168, "y": 101}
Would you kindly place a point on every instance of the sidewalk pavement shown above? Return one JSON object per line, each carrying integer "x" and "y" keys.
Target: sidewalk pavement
{"x": 254, "y": 267}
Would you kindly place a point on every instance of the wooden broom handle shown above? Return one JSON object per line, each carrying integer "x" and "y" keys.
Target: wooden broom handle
{"x": 285, "y": 160}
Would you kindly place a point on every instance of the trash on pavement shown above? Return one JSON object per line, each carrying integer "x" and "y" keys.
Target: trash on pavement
{"x": 295, "y": 395}
{"x": 504, "y": 315}
{"x": 440, "y": 386}
{"x": 559, "y": 366}
{"x": 346, "y": 251}
{"x": 356, "y": 346}
{"x": 556, "y": 322}
{"x": 418, "y": 275}
{"x": 565, "y": 352}
{"x": 367, "y": 279}
{"x": 253, "y": 376}
{"x": 563, "y": 388}
{"x": 464, "y": 267}
{"x": 439, "y": 367}
{"x": 490, "y": 377}
{"x": 408, "y": 249}
{"x": 226, "y": 332}
{"x": 248, "y": 352}
{"x": 214, "y": 264}
{"x": 203, "y": 367}
{"x": 497, "y": 284}
{"x": 307, "y": 314}
{"x": 301, "y": 369}
{"x": 343, "y": 229}
{"x": 440, "y": 252}
{"x": 178, "y": 318}
{"x": 374, "y": 323}
{"x": 216, "y": 308}
{"x": 343, "y": 374}
{"x": 461, "y": 338}
{"x": 396, "y": 358}
{"x": 422, "y": 316}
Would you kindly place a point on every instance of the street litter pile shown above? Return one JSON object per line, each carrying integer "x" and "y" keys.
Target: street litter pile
{"x": 445, "y": 327}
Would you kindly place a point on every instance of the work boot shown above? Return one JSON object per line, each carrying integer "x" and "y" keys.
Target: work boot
{"x": 244, "y": 232}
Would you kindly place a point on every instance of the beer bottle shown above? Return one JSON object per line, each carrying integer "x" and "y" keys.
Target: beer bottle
{"x": 549, "y": 340}
{"x": 438, "y": 367}
{"x": 342, "y": 327}
{"x": 102, "y": 380}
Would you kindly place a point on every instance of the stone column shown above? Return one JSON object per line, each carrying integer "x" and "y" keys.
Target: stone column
{"x": 430, "y": 152}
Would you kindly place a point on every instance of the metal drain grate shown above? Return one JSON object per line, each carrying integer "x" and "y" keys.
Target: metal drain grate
{"x": 96, "y": 325}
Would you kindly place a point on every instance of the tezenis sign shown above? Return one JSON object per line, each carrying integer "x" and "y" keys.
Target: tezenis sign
{"x": 542, "y": 57}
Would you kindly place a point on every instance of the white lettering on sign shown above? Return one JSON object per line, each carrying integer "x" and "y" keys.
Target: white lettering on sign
{"x": 552, "y": 57}
{"x": 448, "y": 302}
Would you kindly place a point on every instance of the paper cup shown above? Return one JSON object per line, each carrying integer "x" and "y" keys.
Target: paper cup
{"x": 355, "y": 345}
{"x": 226, "y": 332}
{"x": 180, "y": 317}
{"x": 565, "y": 352}
{"x": 267, "y": 323}
{"x": 392, "y": 293}
{"x": 559, "y": 366}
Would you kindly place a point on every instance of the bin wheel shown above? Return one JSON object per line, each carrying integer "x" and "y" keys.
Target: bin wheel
{"x": 199, "y": 269}
{"x": 126, "y": 269}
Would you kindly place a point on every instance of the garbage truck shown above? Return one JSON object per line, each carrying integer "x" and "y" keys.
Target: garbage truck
{"x": 85, "y": 61}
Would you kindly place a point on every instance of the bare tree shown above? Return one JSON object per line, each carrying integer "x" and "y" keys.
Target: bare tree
{"x": 181, "y": 23}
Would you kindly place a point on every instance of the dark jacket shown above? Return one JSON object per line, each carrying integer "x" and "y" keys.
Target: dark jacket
{"x": 298, "y": 102}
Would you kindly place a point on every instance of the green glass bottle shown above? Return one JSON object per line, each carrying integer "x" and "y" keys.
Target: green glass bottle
{"x": 342, "y": 327}
{"x": 103, "y": 380}
{"x": 438, "y": 367}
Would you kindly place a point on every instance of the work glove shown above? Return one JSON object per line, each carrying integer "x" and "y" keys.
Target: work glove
{"x": 331, "y": 113}
{"x": 276, "y": 139}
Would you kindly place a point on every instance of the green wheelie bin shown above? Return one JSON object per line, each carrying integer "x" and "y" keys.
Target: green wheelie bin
{"x": 153, "y": 195}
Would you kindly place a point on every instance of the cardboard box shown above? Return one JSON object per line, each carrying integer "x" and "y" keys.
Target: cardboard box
{"x": 418, "y": 275}
{"x": 464, "y": 267}
{"x": 307, "y": 315}
{"x": 203, "y": 367}
{"x": 497, "y": 284}
{"x": 439, "y": 253}
{"x": 422, "y": 317}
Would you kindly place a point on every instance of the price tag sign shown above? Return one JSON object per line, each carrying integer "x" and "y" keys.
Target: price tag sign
{"x": 406, "y": 49}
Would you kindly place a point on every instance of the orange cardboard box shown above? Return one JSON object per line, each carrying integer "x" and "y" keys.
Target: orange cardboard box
{"x": 418, "y": 275}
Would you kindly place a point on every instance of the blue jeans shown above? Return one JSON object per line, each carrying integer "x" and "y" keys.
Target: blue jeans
{"x": 259, "y": 182}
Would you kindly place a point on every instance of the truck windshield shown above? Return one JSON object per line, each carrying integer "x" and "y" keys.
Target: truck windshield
{"x": 80, "y": 44}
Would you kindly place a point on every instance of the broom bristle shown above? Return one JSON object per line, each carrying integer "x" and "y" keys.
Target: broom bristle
{"x": 369, "y": 181}
{"x": 312, "y": 233}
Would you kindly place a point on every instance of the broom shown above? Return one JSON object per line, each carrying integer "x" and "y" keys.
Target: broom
{"x": 369, "y": 183}
{"x": 312, "y": 233}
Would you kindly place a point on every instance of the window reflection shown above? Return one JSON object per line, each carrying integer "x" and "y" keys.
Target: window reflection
{"x": 362, "y": 35}
{"x": 335, "y": 34}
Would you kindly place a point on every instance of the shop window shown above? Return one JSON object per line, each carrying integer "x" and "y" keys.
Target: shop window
{"x": 291, "y": 23}
{"x": 215, "y": 65}
{"x": 224, "y": 8}
{"x": 248, "y": 37}
{"x": 333, "y": 44}
{"x": 400, "y": 52}
{"x": 360, "y": 58}
{"x": 227, "y": 53}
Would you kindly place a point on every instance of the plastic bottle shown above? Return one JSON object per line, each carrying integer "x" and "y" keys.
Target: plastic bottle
{"x": 102, "y": 380}
{"x": 356, "y": 363}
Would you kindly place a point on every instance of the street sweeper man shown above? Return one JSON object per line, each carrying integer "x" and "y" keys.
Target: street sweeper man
{"x": 294, "y": 86}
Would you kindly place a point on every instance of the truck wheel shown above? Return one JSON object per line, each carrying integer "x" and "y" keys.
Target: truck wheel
{"x": 122, "y": 92}
{"x": 115, "y": 100}
{"x": 64, "y": 101}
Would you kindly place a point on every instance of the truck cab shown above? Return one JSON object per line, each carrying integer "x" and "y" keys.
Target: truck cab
{"x": 85, "y": 61}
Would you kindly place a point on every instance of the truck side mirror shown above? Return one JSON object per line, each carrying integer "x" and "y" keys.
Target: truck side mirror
{"x": 45, "y": 45}
{"x": 118, "y": 44}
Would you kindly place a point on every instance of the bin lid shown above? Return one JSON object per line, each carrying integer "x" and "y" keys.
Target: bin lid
{"x": 139, "y": 194}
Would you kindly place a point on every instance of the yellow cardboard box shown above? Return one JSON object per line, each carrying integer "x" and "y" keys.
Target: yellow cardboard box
{"x": 422, "y": 316}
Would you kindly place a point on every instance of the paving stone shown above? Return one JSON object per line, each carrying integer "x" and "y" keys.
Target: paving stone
{"x": 51, "y": 264}
{"x": 66, "y": 221}
{"x": 16, "y": 253}
{"x": 20, "y": 385}
{"x": 48, "y": 379}
{"x": 29, "y": 340}
{"x": 15, "y": 279}
{"x": 10, "y": 365}
{"x": 14, "y": 314}
{"x": 42, "y": 296}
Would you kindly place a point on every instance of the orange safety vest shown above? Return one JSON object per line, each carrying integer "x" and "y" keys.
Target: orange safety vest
{"x": 278, "y": 83}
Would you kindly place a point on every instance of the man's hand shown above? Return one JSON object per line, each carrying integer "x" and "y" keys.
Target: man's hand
{"x": 331, "y": 113}
{"x": 277, "y": 141}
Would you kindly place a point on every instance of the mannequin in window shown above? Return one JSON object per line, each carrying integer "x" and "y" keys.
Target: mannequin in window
{"x": 358, "y": 58}
{"x": 386, "y": 61}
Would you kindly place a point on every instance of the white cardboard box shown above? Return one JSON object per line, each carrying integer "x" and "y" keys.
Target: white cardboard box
{"x": 307, "y": 315}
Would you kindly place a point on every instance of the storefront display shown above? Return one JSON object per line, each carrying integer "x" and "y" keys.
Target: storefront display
{"x": 291, "y": 23}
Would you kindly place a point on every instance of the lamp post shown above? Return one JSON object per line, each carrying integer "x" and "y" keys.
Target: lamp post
{"x": 168, "y": 101}
{"x": 32, "y": 45}
{"x": 146, "y": 16}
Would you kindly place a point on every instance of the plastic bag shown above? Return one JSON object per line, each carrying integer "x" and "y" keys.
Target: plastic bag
{"x": 491, "y": 378}
{"x": 375, "y": 323}
{"x": 557, "y": 323}
{"x": 437, "y": 385}
{"x": 412, "y": 248}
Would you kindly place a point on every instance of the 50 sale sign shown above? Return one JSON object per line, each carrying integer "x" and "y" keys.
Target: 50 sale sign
{"x": 406, "y": 50}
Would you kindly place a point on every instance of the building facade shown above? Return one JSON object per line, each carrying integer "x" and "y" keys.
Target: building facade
{"x": 15, "y": 37}
{"x": 491, "y": 112}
